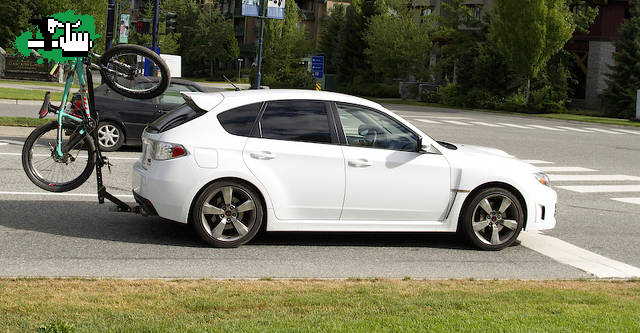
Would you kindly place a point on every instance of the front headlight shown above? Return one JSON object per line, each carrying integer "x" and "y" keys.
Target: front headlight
{"x": 542, "y": 178}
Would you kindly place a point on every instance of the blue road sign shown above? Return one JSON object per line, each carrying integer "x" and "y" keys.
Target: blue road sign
{"x": 317, "y": 66}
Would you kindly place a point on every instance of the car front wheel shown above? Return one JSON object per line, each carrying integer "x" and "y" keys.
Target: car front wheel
{"x": 493, "y": 219}
{"x": 227, "y": 214}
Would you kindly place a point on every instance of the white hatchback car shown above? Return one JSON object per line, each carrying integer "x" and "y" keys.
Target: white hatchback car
{"x": 300, "y": 160}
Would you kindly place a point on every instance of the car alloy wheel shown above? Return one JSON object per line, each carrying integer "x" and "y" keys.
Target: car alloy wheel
{"x": 494, "y": 219}
{"x": 227, "y": 214}
{"x": 110, "y": 136}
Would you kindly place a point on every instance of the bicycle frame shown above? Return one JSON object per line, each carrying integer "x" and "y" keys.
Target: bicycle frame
{"x": 63, "y": 113}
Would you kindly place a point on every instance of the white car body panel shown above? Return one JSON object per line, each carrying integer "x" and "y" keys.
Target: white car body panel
{"x": 306, "y": 190}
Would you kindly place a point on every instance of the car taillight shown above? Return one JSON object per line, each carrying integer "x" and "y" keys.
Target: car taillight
{"x": 166, "y": 151}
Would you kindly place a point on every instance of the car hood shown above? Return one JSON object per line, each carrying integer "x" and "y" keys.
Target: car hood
{"x": 481, "y": 151}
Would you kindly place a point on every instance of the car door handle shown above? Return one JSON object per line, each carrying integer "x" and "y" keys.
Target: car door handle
{"x": 360, "y": 163}
{"x": 263, "y": 155}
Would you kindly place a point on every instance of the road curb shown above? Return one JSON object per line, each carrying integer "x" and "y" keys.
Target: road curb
{"x": 20, "y": 101}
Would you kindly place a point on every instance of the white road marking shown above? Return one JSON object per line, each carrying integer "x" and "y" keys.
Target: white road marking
{"x": 455, "y": 122}
{"x": 574, "y": 129}
{"x": 514, "y": 125}
{"x": 43, "y": 155}
{"x": 13, "y": 142}
{"x": 546, "y": 128}
{"x": 485, "y": 124}
{"x": 602, "y": 130}
{"x": 428, "y": 121}
{"x": 537, "y": 162}
{"x": 569, "y": 254}
{"x": 565, "y": 169}
{"x": 3, "y": 143}
{"x": 62, "y": 194}
{"x": 601, "y": 188}
{"x": 626, "y": 131}
{"x": 591, "y": 177}
{"x": 628, "y": 200}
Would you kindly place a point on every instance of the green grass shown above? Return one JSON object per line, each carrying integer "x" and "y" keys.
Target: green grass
{"x": 15, "y": 93}
{"x": 33, "y": 83}
{"x": 574, "y": 115}
{"x": 318, "y": 306}
{"x": 23, "y": 121}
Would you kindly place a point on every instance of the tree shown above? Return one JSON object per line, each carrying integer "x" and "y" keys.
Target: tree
{"x": 329, "y": 37}
{"x": 398, "y": 44}
{"x": 530, "y": 32}
{"x": 620, "y": 96}
{"x": 284, "y": 45}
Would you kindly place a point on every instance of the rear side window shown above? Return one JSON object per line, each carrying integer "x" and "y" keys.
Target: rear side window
{"x": 305, "y": 121}
{"x": 239, "y": 121}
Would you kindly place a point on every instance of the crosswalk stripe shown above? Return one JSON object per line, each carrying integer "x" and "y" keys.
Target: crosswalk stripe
{"x": 602, "y": 130}
{"x": 565, "y": 169}
{"x": 574, "y": 129}
{"x": 601, "y": 188}
{"x": 537, "y": 162}
{"x": 546, "y": 128}
{"x": 590, "y": 178}
{"x": 628, "y": 200}
{"x": 485, "y": 124}
{"x": 626, "y": 131}
{"x": 428, "y": 121}
{"x": 3, "y": 143}
{"x": 514, "y": 125}
{"x": 455, "y": 122}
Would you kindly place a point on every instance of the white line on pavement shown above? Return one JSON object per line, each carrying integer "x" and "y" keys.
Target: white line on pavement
{"x": 428, "y": 121}
{"x": 62, "y": 194}
{"x": 626, "y": 131}
{"x": 455, "y": 122}
{"x": 514, "y": 125}
{"x": 574, "y": 129}
{"x": 537, "y": 162}
{"x": 601, "y": 188}
{"x": 565, "y": 169}
{"x": 590, "y": 177}
{"x": 485, "y": 124}
{"x": 546, "y": 128}
{"x": 602, "y": 130}
{"x": 569, "y": 254}
{"x": 628, "y": 200}
{"x": 14, "y": 142}
{"x": 3, "y": 143}
{"x": 43, "y": 155}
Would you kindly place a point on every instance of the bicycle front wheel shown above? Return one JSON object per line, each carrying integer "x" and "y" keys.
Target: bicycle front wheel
{"x": 53, "y": 173}
{"x": 134, "y": 71}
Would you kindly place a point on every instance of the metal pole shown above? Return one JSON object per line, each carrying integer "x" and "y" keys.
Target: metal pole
{"x": 156, "y": 15}
{"x": 111, "y": 12}
{"x": 261, "y": 17}
{"x": 638, "y": 105}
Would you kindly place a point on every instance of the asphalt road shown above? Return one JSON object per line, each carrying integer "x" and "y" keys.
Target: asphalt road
{"x": 54, "y": 235}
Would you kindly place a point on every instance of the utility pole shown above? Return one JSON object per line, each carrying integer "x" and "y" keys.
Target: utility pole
{"x": 262, "y": 15}
{"x": 638, "y": 104}
{"x": 156, "y": 14}
{"x": 111, "y": 13}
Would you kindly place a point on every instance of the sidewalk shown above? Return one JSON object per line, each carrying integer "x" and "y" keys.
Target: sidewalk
{"x": 15, "y": 131}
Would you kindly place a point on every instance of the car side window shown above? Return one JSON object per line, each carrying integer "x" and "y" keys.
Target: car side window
{"x": 238, "y": 121}
{"x": 172, "y": 94}
{"x": 364, "y": 127}
{"x": 142, "y": 85}
{"x": 304, "y": 121}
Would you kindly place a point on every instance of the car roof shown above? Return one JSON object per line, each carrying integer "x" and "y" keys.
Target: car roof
{"x": 230, "y": 99}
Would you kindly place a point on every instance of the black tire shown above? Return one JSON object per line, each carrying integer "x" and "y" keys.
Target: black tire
{"x": 206, "y": 221}
{"x": 110, "y": 136}
{"x": 507, "y": 222}
{"x": 31, "y": 164}
{"x": 122, "y": 49}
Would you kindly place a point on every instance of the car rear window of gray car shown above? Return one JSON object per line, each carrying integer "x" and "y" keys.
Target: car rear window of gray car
{"x": 239, "y": 121}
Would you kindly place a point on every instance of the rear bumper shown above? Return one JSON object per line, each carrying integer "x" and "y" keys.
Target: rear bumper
{"x": 145, "y": 204}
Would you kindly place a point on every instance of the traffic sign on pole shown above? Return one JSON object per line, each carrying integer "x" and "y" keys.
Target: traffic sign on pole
{"x": 317, "y": 67}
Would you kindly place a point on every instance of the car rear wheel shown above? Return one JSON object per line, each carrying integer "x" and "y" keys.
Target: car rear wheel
{"x": 110, "y": 136}
{"x": 493, "y": 219}
{"x": 227, "y": 214}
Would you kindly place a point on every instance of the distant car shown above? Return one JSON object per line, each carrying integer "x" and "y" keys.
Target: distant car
{"x": 303, "y": 160}
{"x": 122, "y": 119}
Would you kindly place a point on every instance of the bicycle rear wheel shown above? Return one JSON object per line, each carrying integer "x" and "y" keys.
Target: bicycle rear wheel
{"x": 55, "y": 174}
{"x": 123, "y": 69}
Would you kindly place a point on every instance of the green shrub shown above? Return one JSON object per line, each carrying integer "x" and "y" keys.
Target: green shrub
{"x": 450, "y": 95}
{"x": 430, "y": 96}
{"x": 380, "y": 90}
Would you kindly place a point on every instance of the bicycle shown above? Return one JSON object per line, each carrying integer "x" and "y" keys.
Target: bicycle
{"x": 60, "y": 156}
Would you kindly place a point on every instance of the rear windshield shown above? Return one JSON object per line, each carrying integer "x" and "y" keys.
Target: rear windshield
{"x": 179, "y": 115}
